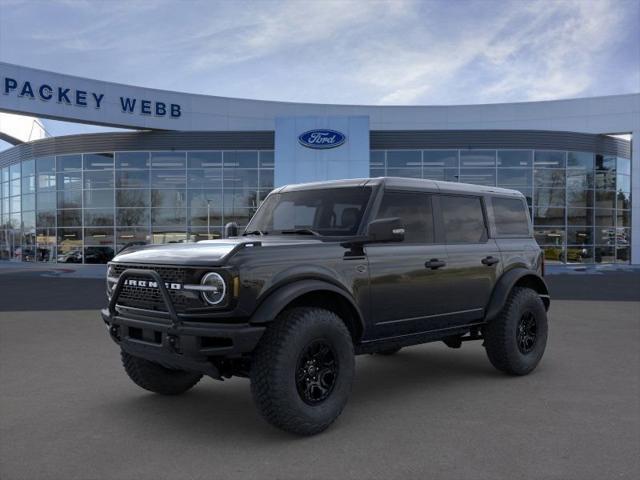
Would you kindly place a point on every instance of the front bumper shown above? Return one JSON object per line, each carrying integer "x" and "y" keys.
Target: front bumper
{"x": 175, "y": 343}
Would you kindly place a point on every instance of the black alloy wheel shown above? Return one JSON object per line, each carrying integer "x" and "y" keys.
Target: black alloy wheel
{"x": 317, "y": 372}
{"x": 527, "y": 332}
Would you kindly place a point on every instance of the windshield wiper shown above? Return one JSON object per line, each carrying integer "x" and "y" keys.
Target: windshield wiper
{"x": 254, "y": 232}
{"x": 300, "y": 231}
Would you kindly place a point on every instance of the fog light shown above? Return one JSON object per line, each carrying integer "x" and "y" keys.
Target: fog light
{"x": 214, "y": 288}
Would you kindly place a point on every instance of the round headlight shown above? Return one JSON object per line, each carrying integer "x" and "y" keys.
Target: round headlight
{"x": 215, "y": 288}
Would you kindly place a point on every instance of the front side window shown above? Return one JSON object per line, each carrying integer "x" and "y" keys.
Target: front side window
{"x": 510, "y": 216}
{"x": 326, "y": 212}
{"x": 463, "y": 219}
{"x": 414, "y": 210}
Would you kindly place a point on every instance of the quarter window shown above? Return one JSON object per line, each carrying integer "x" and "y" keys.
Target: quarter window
{"x": 463, "y": 219}
{"x": 510, "y": 216}
{"x": 414, "y": 210}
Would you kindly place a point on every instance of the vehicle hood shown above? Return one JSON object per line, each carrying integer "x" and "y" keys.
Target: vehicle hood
{"x": 205, "y": 253}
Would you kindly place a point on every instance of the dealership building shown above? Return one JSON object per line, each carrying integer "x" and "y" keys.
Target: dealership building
{"x": 192, "y": 163}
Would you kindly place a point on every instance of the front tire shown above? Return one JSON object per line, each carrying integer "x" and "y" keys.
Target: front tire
{"x": 302, "y": 370}
{"x": 156, "y": 378}
{"x": 515, "y": 341}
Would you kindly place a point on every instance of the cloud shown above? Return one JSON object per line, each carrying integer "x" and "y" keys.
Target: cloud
{"x": 533, "y": 51}
{"x": 271, "y": 30}
{"x": 404, "y": 95}
{"x": 338, "y": 51}
{"x": 555, "y": 52}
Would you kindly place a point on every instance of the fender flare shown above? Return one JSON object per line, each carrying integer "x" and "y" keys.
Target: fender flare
{"x": 282, "y": 296}
{"x": 506, "y": 283}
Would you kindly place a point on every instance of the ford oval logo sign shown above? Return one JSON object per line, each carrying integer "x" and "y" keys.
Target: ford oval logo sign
{"x": 322, "y": 138}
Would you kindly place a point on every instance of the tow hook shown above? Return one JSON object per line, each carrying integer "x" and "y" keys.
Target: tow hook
{"x": 114, "y": 331}
{"x": 172, "y": 341}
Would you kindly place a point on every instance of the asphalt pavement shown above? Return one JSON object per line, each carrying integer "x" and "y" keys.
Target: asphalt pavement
{"x": 68, "y": 411}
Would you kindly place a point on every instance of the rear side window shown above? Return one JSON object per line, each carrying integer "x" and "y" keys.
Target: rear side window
{"x": 414, "y": 210}
{"x": 463, "y": 219}
{"x": 510, "y": 216}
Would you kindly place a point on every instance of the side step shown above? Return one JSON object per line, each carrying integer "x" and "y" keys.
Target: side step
{"x": 455, "y": 341}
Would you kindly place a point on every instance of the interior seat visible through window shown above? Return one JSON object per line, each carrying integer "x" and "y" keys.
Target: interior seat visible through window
{"x": 349, "y": 218}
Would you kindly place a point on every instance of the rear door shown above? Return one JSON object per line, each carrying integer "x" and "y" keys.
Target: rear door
{"x": 407, "y": 295}
{"x": 473, "y": 258}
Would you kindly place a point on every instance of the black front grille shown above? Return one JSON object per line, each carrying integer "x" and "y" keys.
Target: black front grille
{"x": 150, "y": 298}
{"x": 168, "y": 274}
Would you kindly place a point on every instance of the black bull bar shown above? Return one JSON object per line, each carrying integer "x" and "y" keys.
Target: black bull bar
{"x": 167, "y": 339}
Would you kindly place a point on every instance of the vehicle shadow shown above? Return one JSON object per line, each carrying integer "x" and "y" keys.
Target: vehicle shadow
{"x": 225, "y": 412}
{"x": 418, "y": 367}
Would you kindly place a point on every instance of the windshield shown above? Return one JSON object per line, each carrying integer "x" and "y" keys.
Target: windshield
{"x": 326, "y": 212}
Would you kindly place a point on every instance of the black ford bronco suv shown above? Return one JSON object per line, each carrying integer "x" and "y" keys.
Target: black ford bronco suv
{"x": 326, "y": 271}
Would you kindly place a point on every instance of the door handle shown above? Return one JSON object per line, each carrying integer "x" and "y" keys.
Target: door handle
{"x": 434, "y": 264}
{"x": 488, "y": 261}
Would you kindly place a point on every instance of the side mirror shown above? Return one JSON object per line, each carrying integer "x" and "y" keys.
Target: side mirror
{"x": 385, "y": 230}
{"x": 231, "y": 230}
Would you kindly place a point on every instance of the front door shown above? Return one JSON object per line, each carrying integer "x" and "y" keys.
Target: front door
{"x": 407, "y": 294}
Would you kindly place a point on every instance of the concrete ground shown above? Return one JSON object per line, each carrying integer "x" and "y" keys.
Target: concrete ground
{"x": 67, "y": 410}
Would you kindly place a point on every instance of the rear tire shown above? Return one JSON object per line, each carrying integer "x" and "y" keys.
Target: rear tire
{"x": 156, "y": 378}
{"x": 302, "y": 370}
{"x": 515, "y": 341}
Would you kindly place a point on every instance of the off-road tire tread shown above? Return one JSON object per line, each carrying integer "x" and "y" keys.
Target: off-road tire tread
{"x": 497, "y": 338}
{"x": 156, "y": 378}
{"x": 270, "y": 403}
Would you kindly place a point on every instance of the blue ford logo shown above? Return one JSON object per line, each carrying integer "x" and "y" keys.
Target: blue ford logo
{"x": 322, "y": 138}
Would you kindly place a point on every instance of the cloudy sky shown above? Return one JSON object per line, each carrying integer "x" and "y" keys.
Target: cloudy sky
{"x": 337, "y": 51}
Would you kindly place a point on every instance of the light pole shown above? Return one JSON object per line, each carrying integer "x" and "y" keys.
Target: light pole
{"x": 208, "y": 219}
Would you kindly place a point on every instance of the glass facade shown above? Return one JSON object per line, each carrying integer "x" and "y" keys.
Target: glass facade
{"x": 83, "y": 208}
{"x": 580, "y": 202}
